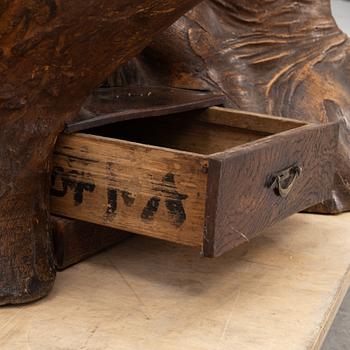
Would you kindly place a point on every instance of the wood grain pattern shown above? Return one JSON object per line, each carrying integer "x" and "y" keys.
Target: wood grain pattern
{"x": 248, "y": 120}
{"x": 189, "y": 132}
{"x": 239, "y": 180}
{"x": 111, "y": 105}
{"x": 284, "y": 58}
{"x": 53, "y": 53}
{"x": 280, "y": 292}
{"x": 128, "y": 186}
{"x": 220, "y": 199}
{"x": 75, "y": 241}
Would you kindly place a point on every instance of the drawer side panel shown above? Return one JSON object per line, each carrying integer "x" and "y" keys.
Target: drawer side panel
{"x": 131, "y": 187}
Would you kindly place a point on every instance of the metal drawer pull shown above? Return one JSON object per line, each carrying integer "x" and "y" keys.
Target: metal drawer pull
{"x": 284, "y": 181}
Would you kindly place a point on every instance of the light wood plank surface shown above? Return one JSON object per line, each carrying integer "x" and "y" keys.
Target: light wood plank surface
{"x": 280, "y": 292}
{"x": 128, "y": 186}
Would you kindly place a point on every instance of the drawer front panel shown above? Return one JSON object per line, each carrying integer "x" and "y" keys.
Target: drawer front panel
{"x": 132, "y": 187}
{"x": 243, "y": 183}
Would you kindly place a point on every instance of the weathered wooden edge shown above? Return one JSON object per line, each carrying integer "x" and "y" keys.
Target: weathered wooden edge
{"x": 332, "y": 312}
{"x": 144, "y": 113}
{"x": 211, "y": 208}
{"x": 60, "y": 206}
{"x": 248, "y": 120}
{"x": 247, "y": 147}
{"x": 216, "y": 163}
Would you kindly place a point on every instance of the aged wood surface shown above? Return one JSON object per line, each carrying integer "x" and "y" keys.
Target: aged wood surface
{"x": 52, "y": 55}
{"x": 285, "y": 58}
{"x": 281, "y": 291}
{"x": 75, "y": 240}
{"x": 190, "y": 132}
{"x": 250, "y": 121}
{"x": 154, "y": 181}
{"x": 111, "y": 105}
{"x": 130, "y": 186}
{"x": 245, "y": 202}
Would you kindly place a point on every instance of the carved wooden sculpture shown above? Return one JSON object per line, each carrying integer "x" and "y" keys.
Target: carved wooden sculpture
{"x": 285, "y": 58}
{"x": 52, "y": 54}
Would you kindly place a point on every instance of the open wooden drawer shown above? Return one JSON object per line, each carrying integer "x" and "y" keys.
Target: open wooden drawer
{"x": 213, "y": 178}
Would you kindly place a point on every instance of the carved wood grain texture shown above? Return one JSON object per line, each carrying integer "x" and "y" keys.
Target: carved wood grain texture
{"x": 283, "y": 58}
{"x": 111, "y": 105}
{"x": 52, "y": 55}
{"x": 244, "y": 203}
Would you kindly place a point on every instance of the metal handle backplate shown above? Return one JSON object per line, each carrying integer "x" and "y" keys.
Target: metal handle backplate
{"x": 283, "y": 181}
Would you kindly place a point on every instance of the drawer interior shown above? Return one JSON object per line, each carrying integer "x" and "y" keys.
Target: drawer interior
{"x": 203, "y": 131}
{"x": 151, "y": 176}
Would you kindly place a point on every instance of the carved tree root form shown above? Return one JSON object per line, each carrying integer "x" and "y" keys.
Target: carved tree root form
{"x": 285, "y": 58}
{"x": 52, "y": 54}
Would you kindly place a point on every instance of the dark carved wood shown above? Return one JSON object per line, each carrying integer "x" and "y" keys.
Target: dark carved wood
{"x": 111, "y": 105}
{"x": 284, "y": 58}
{"x": 247, "y": 202}
{"x": 76, "y": 240}
{"x": 52, "y": 54}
